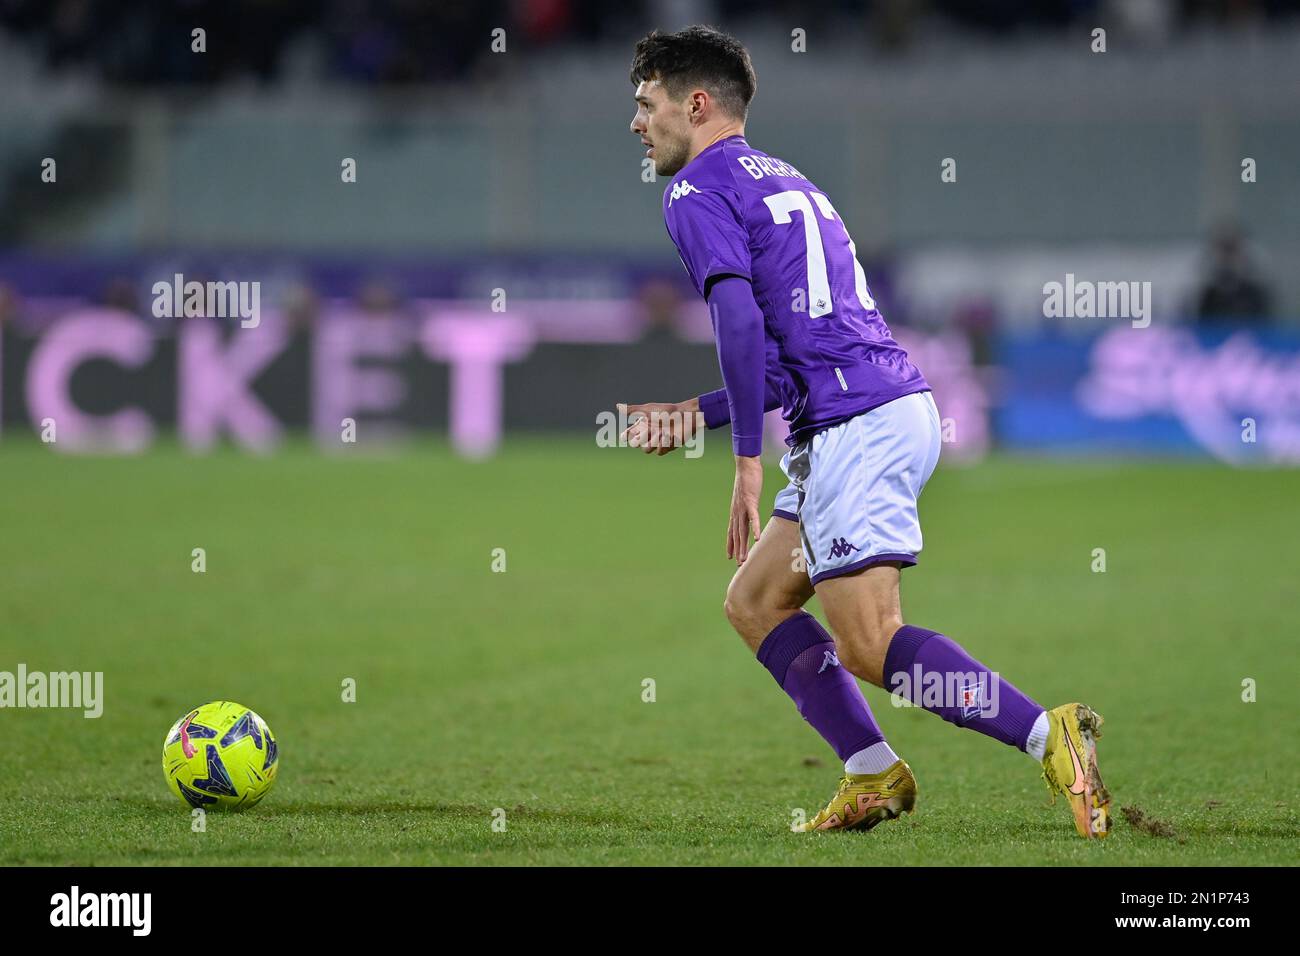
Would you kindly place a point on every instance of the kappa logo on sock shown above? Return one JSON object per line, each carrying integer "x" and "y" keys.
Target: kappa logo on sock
{"x": 828, "y": 660}
{"x": 840, "y": 548}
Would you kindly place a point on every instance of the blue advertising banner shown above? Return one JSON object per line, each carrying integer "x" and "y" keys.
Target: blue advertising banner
{"x": 1231, "y": 393}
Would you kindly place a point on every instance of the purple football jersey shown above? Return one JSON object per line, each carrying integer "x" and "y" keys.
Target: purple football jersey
{"x": 734, "y": 210}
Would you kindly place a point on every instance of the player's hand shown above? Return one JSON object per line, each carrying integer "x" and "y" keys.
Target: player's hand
{"x": 744, "y": 508}
{"x": 660, "y": 426}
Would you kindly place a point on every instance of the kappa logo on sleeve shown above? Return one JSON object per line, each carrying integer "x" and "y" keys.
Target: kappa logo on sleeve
{"x": 681, "y": 189}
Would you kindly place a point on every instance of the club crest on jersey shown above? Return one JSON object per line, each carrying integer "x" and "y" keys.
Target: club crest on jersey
{"x": 681, "y": 189}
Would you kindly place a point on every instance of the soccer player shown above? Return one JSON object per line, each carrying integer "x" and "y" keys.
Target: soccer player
{"x": 796, "y": 328}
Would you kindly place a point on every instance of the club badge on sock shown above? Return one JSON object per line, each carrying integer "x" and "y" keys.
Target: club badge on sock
{"x": 971, "y": 697}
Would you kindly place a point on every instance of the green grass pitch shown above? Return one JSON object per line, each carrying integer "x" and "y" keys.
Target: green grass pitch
{"x": 523, "y": 690}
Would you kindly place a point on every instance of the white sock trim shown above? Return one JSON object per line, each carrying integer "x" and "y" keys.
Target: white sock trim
{"x": 875, "y": 759}
{"x": 1036, "y": 746}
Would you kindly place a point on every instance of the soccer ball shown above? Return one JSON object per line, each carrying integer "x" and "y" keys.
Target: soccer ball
{"x": 220, "y": 756}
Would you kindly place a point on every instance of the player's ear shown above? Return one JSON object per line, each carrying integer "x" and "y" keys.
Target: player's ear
{"x": 697, "y": 105}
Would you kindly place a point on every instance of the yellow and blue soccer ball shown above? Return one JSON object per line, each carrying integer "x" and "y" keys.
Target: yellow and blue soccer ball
{"x": 220, "y": 756}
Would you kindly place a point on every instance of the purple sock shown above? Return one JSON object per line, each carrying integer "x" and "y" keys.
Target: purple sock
{"x": 930, "y": 670}
{"x": 801, "y": 656}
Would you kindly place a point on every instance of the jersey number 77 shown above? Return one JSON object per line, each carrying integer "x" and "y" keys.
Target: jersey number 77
{"x": 781, "y": 205}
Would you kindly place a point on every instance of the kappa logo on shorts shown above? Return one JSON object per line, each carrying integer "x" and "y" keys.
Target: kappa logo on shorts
{"x": 840, "y": 548}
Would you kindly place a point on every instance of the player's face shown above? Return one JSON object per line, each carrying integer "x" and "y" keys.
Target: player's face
{"x": 663, "y": 127}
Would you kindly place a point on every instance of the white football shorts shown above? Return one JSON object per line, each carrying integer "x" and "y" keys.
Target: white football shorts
{"x": 854, "y": 487}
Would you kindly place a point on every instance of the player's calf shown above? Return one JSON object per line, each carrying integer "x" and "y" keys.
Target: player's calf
{"x": 865, "y": 613}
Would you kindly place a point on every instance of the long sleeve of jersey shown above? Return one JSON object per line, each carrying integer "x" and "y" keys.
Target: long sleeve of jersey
{"x": 707, "y": 227}
{"x": 716, "y": 410}
{"x": 738, "y": 331}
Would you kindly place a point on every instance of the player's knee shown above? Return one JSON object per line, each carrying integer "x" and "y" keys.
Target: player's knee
{"x": 736, "y": 609}
{"x": 754, "y": 611}
{"x": 744, "y": 608}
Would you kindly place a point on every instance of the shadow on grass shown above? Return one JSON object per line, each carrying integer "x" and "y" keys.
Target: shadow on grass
{"x": 1043, "y": 831}
{"x": 280, "y": 810}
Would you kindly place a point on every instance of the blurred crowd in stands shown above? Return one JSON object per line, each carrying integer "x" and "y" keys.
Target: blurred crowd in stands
{"x": 138, "y": 44}
{"x": 394, "y": 42}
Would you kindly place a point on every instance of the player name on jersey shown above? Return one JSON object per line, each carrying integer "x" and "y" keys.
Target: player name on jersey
{"x": 759, "y": 166}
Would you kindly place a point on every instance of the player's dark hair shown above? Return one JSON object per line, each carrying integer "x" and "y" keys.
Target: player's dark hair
{"x": 699, "y": 57}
